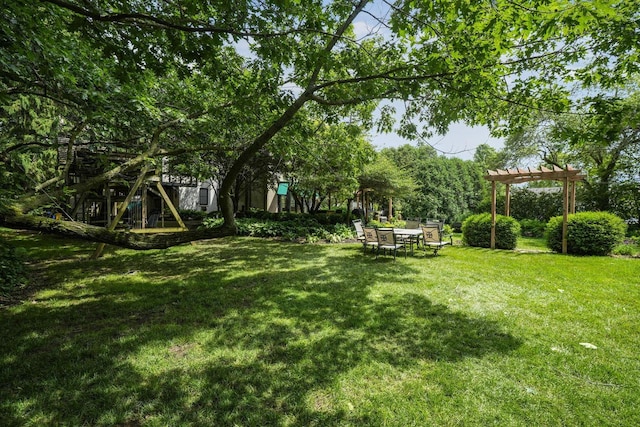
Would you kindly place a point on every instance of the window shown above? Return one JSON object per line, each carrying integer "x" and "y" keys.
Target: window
{"x": 204, "y": 196}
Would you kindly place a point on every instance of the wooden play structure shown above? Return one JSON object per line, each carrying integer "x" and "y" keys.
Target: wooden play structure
{"x": 138, "y": 204}
{"x": 569, "y": 176}
{"x": 144, "y": 182}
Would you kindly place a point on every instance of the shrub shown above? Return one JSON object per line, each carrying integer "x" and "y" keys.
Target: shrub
{"x": 190, "y": 214}
{"x": 302, "y": 227}
{"x": 532, "y": 227}
{"x": 588, "y": 233}
{"x": 12, "y": 272}
{"x": 447, "y": 230}
{"x": 476, "y": 231}
{"x": 625, "y": 250}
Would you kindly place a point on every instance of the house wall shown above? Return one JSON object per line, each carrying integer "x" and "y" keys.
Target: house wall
{"x": 272, "y": 201}
{"x": 260, "y": 198}
{"x": 189, "y": 197}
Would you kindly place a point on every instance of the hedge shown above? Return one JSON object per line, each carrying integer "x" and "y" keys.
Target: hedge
{"x": 476, "y": 231}
{"x": 588, "y": 233}
{"x": 303, "y": 227}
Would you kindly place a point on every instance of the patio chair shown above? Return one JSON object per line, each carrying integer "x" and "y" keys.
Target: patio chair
{"x": 432, "y": 238}
{"x": 412, "y": 223}
{"x": 357, "y": 223}
{"x": 370, "y": 238}
{"x": 433, "y": 222}
{"x": 387, "y": 241}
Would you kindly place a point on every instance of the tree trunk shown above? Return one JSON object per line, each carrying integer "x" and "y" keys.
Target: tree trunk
{"x": 10, "y": 216}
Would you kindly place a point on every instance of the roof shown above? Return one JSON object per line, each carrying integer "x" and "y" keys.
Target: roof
{"x": 518, "y": 175}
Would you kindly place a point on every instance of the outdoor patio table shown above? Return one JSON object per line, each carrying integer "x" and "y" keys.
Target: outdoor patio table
{"x": 409, "y": 233}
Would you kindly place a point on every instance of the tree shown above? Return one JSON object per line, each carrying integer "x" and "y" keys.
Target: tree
{"x": 602, "y": 140}
{"x": 156, "y": 79}
{"x": 325, "y": 163}
{"x": 383, "y": 180}
{"x": 602, "y": 137}
{"x": 488, "y": 158}
{"x": 445, "y": 188}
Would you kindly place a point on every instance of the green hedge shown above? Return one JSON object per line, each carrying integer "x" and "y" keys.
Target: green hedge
{"x": 323, "y": 218}
{"x": 302, "y": 227}
{"x": 588, "y": 233}
{"x": 476, "y": 231}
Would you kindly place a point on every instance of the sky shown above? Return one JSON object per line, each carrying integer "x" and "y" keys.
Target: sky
{"x": 461, "y": 141}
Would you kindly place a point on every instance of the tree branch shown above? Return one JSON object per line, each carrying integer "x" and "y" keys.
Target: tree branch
{"x": 187, "y": 26}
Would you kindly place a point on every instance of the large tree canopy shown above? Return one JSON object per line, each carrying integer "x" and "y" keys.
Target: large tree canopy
{"x": 164, "y": 79}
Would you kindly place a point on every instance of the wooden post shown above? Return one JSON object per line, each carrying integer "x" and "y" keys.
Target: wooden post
{"x": 121, "y": 211}
{"x": 172, "y": 208}
{"x": 507, "y": 200}
{"x": 78, "y": 204}
{"x": 162, "y": 212}
{"x": 493, "y": 214}
{"x": 107, "y": 189}
{"x": 365, "y": 206}
{"x": 143, "y": 203}
{"x": 565, "y": 214}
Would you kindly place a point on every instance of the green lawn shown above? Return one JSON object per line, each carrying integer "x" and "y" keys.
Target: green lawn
{"x": 253, "y": 332}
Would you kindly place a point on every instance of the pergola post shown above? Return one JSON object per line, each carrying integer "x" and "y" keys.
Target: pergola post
{"x": 507, "y": 200}
{"x": 107, "y": 191}
{"x": 493, "y": 215}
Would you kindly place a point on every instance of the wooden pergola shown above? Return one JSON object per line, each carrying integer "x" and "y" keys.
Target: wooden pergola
{"x": 569, "y": 176}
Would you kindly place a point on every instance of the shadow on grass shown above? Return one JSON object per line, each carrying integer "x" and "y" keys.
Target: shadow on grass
{"x": 220, "y": 335}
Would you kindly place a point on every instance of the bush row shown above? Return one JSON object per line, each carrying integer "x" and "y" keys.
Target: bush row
{"x": 302, "y": 227}
{"x": 588, "y": 233}
{"x": 323, "y": 218}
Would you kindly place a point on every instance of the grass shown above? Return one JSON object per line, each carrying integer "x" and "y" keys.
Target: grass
{"x": 244, "y": 331}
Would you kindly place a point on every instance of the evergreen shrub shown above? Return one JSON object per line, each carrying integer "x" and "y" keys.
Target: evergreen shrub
{"x": 476, "y": 231}
{"x": 588, "y": 233}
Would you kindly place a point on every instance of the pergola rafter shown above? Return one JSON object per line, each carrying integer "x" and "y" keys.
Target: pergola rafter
{"x": 569, "y": 176}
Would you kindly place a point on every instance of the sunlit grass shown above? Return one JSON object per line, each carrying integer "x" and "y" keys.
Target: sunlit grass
{"x": 244, "y": 331}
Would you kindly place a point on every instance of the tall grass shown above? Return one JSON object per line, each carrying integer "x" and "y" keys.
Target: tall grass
{"x": 243, "y": 331}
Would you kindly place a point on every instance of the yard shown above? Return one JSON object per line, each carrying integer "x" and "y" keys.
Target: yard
{"x": 253, "y": 332}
